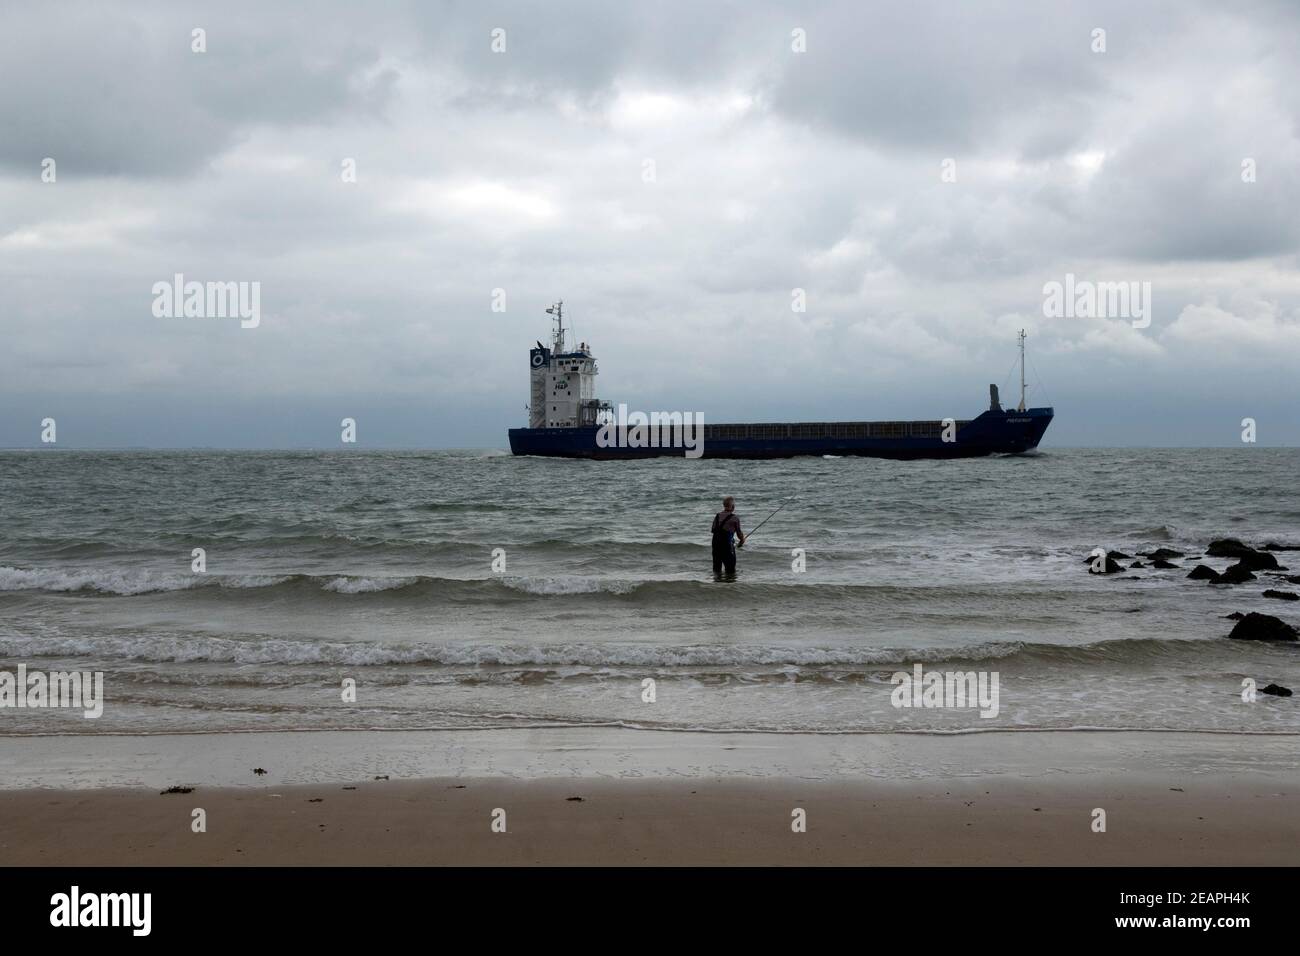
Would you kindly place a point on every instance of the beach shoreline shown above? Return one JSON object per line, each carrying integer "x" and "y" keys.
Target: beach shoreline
{"x": 585, "y": 797}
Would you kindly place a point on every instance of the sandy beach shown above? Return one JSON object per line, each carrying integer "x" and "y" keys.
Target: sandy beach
{"x": 989, "y": 799}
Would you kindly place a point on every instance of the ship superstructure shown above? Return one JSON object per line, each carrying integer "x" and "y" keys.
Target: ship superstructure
{"x": 562, "y": 384}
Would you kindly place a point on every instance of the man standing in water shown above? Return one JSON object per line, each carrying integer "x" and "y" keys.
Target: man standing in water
{"x": 726, "y": 527}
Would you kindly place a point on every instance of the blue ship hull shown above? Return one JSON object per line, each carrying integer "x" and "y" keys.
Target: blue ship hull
{"x": 992, "y": 433}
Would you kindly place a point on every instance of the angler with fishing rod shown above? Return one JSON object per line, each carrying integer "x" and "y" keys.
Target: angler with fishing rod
{"x": 726, "y": 531}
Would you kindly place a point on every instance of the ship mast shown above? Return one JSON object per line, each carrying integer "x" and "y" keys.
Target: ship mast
{"x": 1021, "y": 407}
{"x": 557, "y": 310}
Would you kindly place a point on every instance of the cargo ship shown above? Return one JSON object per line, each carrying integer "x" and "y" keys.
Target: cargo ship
{"x": 567, "y": 420}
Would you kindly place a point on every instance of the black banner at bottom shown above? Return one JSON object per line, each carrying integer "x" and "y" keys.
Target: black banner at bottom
{"x": 244, "y": 905}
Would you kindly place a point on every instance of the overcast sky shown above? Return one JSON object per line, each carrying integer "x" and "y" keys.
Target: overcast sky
{"x": 526, "y": 170}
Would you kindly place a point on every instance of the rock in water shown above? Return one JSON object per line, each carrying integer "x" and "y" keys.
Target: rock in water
{"x": 1234, "y": 616}
{"x": 1137, "y": 564}
{"x": 1227, "y": 548}
{"x": 1252, "y": 558}
{"x": 1263, "y": 627}
{"x": 1162, "y": 564}
{"x": 1110, "y": 556}
{"x": 1163, "y": 554}
{"x": 1258, "y": 561}
{"x": 1274, "y": 546}
{"x": 1277, "y": 690}
{"x": 1204, "y": 573}
{"x": 1282, "y": 595}
{"x": 1237, "y": 574}
{"x": 1111, "y": 566}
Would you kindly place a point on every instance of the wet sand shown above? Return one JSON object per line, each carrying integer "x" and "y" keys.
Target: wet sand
{"x": 992, "y": 821}
{"x": 997, "y": 799}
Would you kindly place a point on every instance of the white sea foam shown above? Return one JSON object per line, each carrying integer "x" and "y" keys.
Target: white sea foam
{"x": 362, "y": 585}
{"x": 571, "y": 585}
{"x": 124, "y": 582}
{"x": 143, "y": 581}
{"x": 111, "y": 582}
{"x": 196, "y": 648}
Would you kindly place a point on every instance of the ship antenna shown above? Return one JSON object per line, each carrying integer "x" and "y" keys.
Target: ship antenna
{"x": 557, "y": 310}
{"x": 1021, "y": 408}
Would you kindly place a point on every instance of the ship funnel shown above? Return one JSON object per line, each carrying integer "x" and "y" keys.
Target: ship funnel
{"x": 994, "y": 404}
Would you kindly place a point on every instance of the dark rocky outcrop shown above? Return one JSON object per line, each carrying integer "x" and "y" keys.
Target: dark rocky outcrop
{"x": 1227, "y": 548}
{"x": 1162, "y": 554}
{"x": 1274, "y": 546}
{"x": 1263, "y": 627}
{"x": 1259, "y": 561}
{"x": 1203, "y": 572}
{"x": 1163, "y": 565}
{"x": 1252, "y": 558}
{"x": 1282, "y": 595}
{"x": 1277, "y": 690}
{"x": 1111, "y": 566}
{"x": 1237, "y": 574}
{"x": 1137, "y": 564}
{"x": 1234, "y": 616}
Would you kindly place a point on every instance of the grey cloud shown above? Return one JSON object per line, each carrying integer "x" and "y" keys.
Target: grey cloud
{"x": 117, "y": 91}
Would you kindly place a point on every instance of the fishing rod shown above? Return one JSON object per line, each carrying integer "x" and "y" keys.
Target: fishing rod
{"x": 768, "y": 518}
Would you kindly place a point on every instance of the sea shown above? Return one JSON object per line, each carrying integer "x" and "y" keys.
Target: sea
{"x": 466, "y": 590}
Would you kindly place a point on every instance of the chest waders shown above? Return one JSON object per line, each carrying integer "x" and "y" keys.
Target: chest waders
{"x": 724, "y": 545}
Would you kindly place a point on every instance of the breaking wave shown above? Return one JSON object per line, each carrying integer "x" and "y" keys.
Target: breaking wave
{"x": 198, "y": 648}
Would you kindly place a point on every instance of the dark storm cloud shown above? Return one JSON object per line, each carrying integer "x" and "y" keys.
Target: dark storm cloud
{"x": 117, "y": 90}
{"x": 949, "y": 78}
